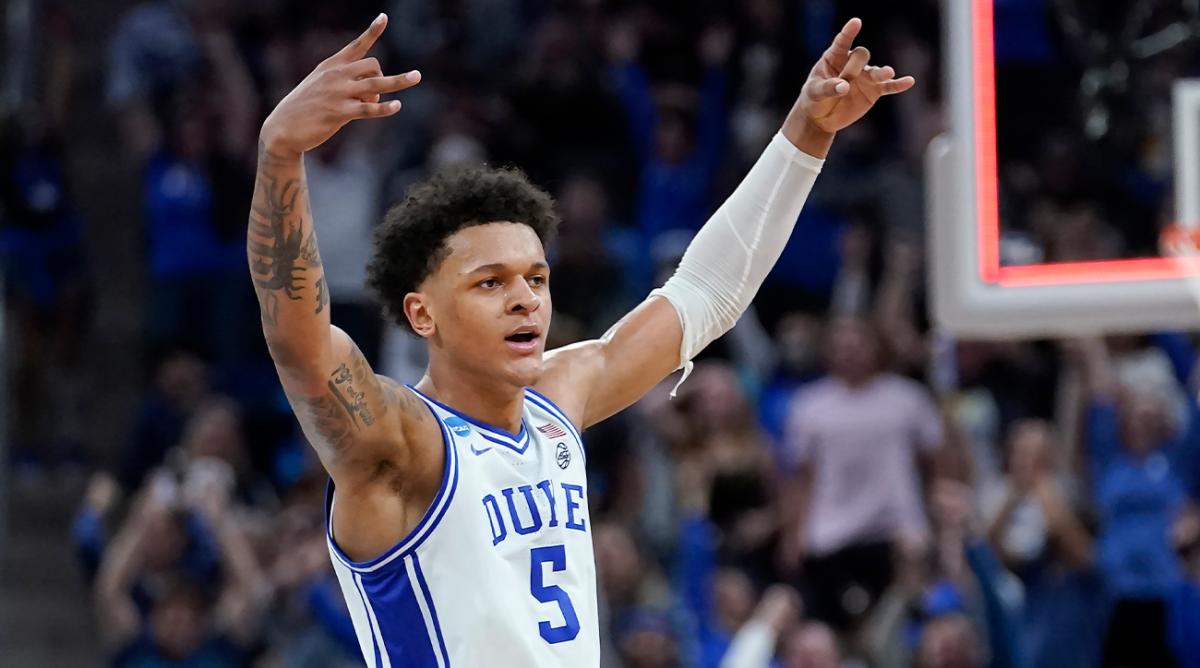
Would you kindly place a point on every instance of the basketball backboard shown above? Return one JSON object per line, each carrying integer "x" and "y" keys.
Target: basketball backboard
{"x": 973, "y": 293}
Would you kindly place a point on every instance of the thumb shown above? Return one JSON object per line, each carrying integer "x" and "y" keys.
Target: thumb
{"x": 827, "y": 88}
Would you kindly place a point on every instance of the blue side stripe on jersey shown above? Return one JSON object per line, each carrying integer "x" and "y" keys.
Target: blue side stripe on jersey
{"x": 432, "y": 611}
{"x": 490, "y": 429}
{"x": 550, "y": 407}
{"x": 401, "y": 624}
{"x": 362, "y": 596}
{"x": 424, "y": 528}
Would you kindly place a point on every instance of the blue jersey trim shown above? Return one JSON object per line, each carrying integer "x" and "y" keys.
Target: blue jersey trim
{"x": 403, "y": 632}
{"x": 519, "y": 440}
{"x": 437, "y": 627}
{"x": 429, "y": 521}
{"x": 508, "y": 444}
{"x": 362, "y": 596}
{"x": 550, "y": 407}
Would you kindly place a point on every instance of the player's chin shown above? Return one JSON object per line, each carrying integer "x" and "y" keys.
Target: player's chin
{"x": 524, "y": 369}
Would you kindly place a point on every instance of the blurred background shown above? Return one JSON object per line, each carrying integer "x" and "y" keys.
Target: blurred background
{"x": 838, "y": 484}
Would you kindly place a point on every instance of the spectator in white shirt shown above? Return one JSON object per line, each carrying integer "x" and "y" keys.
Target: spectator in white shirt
{"x": 860, "y": 439}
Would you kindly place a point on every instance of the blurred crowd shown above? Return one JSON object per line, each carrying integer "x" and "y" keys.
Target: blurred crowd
{"x": 836, "y": 485}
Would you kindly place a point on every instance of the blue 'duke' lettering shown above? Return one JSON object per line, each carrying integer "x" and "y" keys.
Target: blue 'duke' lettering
{"x": 523, "y": 512}
{"x": 556, "y": 556}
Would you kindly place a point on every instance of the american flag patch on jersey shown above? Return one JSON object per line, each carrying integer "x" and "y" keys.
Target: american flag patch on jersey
{"x": 552, "y": 430}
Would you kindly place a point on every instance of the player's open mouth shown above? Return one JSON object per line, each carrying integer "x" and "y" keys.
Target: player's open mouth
{"x": 524, "y": 339}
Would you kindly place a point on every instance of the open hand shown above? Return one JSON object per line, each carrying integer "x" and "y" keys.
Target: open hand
{"x": 344, "y": 87}
{"x": 843, "y": 86}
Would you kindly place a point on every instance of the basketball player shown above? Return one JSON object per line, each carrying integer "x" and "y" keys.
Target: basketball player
{"x": 457, "y": 512}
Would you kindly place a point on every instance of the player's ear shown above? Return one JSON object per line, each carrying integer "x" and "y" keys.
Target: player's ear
{"x": 420, "y": 316}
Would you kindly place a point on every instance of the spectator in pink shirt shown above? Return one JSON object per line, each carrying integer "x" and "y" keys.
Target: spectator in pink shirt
{"x": 860, "y": 439}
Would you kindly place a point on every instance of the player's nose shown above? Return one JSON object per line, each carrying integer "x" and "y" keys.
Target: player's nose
{"x": 522, "y": 298}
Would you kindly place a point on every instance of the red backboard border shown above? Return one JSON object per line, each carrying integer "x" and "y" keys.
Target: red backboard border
{"x": 988, "y": 206}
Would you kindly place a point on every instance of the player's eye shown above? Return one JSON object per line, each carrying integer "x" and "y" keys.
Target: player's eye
{"x": 537, "y": 280}
{"x": 489, "y": 283}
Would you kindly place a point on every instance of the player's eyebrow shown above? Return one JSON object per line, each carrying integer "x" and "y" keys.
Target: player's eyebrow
{"x": 500, "y": 267}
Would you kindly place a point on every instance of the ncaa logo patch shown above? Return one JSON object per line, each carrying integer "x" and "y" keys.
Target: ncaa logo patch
{"x": 458, "y": 425}
{"x": 563, "y": 455}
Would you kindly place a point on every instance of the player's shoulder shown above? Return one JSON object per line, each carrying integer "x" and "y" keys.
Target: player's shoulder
{"x": 568, "y": 374}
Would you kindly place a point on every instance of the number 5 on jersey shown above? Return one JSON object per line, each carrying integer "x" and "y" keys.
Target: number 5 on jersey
{"x": 556, "y": 556}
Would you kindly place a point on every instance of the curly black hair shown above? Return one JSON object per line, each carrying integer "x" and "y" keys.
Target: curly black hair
{"x": 410, "y": 244}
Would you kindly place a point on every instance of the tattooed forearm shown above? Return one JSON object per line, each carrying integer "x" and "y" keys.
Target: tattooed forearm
{"x": 275, "y": 238}
{"x": 268, "y": 306}
{"x": 309, "y": 254}
{"x": 284, "y": 259}
{"x": 322, "y": 295}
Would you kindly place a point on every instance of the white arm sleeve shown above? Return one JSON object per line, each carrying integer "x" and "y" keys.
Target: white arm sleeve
{"x": 731, "y": 255}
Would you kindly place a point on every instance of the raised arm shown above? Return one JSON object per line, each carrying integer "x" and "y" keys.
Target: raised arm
{"x": 731, "y": 255}
{"x": 116, "y": 611}
{"x": 343, "y": 407}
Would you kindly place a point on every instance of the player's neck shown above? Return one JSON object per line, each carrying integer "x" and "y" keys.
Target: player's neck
{"x": 495, "y": 403}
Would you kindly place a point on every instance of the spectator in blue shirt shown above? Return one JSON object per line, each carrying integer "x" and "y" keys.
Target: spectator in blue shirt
{"x": 196, "y": 187}
{"x": 679, "y": 146}
{"x": 1136, "y": 457}
{"x": 1184, "y": 603}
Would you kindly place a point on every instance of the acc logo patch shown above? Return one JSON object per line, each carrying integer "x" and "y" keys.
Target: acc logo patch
{"x": 562, "y": 455}
{"x": 458, "y": 425}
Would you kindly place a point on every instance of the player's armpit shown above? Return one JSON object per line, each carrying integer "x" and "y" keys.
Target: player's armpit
{"x": 594, "y": 380}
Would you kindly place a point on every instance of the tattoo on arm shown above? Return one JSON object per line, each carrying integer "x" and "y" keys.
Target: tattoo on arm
{"x": 309, "y": 254}
{"x": 335, "y": 416}
{"x": 342, "y": 387}
{"x": 268, "y": 306}
{"x": 327, "y": 419}
{"x": 281, "y": 253}
{"x": 345, "y": 409}
{"x": 322, "y": 295}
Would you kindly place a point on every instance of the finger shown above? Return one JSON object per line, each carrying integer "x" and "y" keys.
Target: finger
{"x": 362, "y": 69}
{"x": 845, "y": 39}
{"x": 392, "y": 84}
{"x": 829, "y": 88}
{"x": 879, "y": 74}
{"x": 839, "y": 51}
{"x": 893, "y": 86}
{"x": 360, "y": 45}
{"x": 855, "y": 64}
{"x": 370, "y": 98}
{"x": 374, "y": 109}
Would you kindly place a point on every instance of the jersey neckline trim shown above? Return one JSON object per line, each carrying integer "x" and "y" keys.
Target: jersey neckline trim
{"x": 545, "y": 403}
{"x": 553, "y": 409}
{"x": 518, "y": 441}
{"x": 425, "y": 527}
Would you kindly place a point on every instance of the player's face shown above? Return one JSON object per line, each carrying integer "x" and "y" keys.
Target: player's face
{"x": 487, "y": 307}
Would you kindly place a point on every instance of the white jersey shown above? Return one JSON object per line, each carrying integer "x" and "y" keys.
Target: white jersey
{"x": 499, "y": 572}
